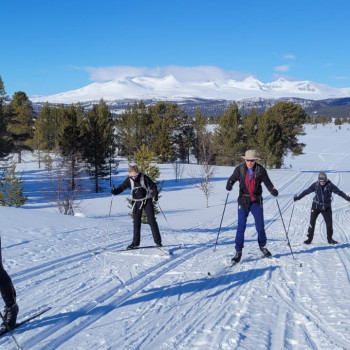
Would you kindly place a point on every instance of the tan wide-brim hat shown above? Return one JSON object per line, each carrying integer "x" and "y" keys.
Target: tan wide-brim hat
{"x": 251, "y": 154}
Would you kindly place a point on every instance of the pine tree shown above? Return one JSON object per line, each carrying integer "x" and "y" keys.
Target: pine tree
{"x": 228, "y": 137}
{"x": 285, "y": 120}
{"x": 133, "y": 129}
{"x": 250, "y": 128}
{"x": 184, "y": 141}
{"x": 269, "y": 142}
{"x": 167, "y": 122}
{"x": 200, "y": 123}
{"x": 45, "y": 132}
{"x": 11, "y": 189}
{"x": 143, "y": 159}
{"x": 69, "y": 139}
{"x": 46, "y": 127}
{"x": 20, "y": 122}
{"x": 6, "y": 143}
{"x": 98, "y": 141}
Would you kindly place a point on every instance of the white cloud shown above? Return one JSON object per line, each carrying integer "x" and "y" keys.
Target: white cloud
{"x": 284, "y": 68}
{"x": 181, "y": 73}
{"x": 341, "y": 78}
{"x": 290, "y": 57}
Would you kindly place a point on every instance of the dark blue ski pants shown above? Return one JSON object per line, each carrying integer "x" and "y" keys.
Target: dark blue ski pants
{"x": 258, "y": 214}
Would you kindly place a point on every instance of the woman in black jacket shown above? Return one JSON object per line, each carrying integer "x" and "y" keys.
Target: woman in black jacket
{"x": 323, "y": 190}
{"x": 143, "y": 191}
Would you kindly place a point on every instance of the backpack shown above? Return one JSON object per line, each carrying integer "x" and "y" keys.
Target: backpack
{"x": 140, "y": 193}
{"x": 322, "y": 205}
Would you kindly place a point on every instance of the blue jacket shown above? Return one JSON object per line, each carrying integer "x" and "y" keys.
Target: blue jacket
{"x": 323, "y": 194}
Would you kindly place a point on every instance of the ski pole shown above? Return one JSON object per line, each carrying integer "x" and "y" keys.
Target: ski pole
{"x": 10, "y": 331}
{"x": 291, "y": 217}
{"x": 168, "y": 224}
{"x": 109, "y": 217}
{"x": 279, "y": 209}
{"x": 221, "y": 221}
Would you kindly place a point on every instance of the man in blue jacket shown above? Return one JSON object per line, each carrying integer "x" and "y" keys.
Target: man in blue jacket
{"x": 321, "y": 204}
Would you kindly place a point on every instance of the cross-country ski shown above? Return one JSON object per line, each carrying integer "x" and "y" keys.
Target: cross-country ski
{"x": 163, "y": 249}
{"x": 5, "y": 330}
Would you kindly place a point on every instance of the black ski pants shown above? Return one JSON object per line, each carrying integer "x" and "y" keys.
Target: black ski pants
{"x": 7, "y": 289}
{"x": 137, "y": 214}
{"x": 327, "y": 215}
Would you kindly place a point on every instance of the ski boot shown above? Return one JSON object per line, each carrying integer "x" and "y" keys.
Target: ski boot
{"x": 237, "y": 258}
{"x": 266, "y": 253}
{"x": 10, "y": 316}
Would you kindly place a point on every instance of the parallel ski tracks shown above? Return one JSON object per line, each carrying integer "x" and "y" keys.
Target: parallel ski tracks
{"x": 127, "y": 289}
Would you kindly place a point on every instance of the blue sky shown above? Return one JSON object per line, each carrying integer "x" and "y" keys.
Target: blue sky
{"x": 49, "y": 47}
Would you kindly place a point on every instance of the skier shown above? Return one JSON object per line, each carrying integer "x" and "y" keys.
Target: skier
{"x": 144, "y": 192}
{"x": 323, "y": 189}
{"x": 8, "y": 293}
{"x": 250, "y": 175}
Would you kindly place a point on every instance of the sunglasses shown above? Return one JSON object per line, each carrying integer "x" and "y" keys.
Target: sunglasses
{"x": 321, "y": 180}
{"x": 250, "y": 160}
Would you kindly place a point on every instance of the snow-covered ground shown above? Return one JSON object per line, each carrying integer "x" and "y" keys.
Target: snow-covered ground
{"x": 148, "y": 300}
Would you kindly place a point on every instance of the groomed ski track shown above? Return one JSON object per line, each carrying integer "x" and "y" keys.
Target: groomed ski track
{"x": 170, "y": 303}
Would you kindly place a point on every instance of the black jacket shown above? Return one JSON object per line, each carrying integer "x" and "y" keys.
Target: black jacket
{"x": 139, "y": 192}
{"x": 239, "y": 174}
{"x": 323, "y": 194}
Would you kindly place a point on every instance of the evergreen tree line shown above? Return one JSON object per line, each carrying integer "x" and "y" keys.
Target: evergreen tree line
{"x": 172, "y": 136}
{"x": 327, "y": 120}
{"x": 78, "y": 138}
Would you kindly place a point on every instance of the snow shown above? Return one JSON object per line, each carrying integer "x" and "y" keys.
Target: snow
{"x": 176, "y": 88}
{"x": 146, "y": 300}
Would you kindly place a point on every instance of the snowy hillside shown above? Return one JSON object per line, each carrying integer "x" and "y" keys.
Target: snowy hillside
{"x": 169, "y": 87}
{"x": 147, "y": 300}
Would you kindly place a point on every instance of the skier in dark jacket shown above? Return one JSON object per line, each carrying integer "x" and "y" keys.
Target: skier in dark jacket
{"x": 144, "y": 191}
{"x": 323, "y": 190}
{"x": 250, "y": 175}
{"x": 8, "y": 294}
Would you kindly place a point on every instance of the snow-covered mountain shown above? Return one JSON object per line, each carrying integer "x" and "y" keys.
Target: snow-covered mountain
{"x": 168, "y": 87}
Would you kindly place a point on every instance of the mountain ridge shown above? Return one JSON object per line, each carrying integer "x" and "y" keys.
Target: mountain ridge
{"x": 169, "y": 88}
{"x": 336, "y": 107}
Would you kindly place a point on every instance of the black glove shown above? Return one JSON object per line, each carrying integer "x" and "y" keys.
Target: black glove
{"x": 296, "y": 198}
{"x": 274, "y": 192}
{"x": 229, "y": 186}
{"x": 155, "y": 199}
{"x": 113, "y": 190}
{"x": 348, "y": 198}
